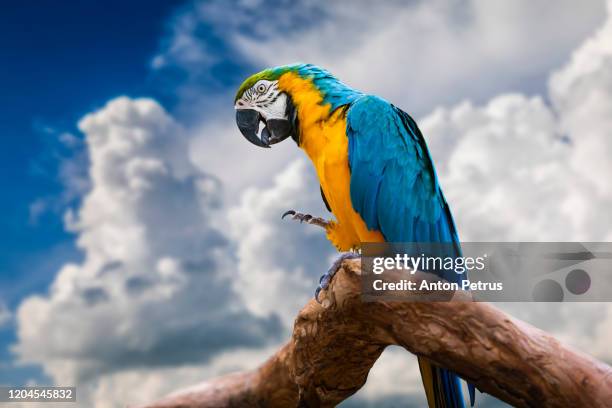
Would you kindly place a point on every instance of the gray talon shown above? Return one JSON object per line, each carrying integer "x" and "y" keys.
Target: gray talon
{"x": 325, "y": 279}
{"x": 309, "y": 219}
{"x": 286, "y": 213}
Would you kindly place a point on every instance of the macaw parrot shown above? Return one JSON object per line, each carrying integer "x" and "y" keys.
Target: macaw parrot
{"x": 375, "y": 172}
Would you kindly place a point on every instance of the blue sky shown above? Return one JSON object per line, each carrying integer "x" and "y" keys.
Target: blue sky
{"x": 56, "y": 68}
{"x": 125, "y": 309}
{"x": 56, "y": 63}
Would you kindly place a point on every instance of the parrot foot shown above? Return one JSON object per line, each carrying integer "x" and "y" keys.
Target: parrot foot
{"x": 307, "y": 218}
{"x": 327, "y": 277}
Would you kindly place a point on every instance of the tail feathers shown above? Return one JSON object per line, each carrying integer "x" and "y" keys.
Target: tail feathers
{"x": 442, "y": 387}
{"x": 472, "y": 390}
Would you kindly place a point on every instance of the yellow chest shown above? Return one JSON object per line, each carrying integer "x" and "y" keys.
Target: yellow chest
{"x": 323, "y": 138}
{"x": 326, "y": 144}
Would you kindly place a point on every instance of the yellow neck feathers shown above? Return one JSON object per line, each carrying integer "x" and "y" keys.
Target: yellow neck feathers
{"x": 313, "y": 114}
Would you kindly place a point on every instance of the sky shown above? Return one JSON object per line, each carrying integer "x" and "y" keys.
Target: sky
{"x": 143, "y": 249}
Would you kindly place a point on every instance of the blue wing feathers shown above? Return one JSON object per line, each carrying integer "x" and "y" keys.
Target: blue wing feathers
{"x": 390, "y": 165}
{"x": 395, "y": 190}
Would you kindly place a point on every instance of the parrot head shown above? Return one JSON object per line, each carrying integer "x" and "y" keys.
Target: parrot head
{"x": 268, "y": 102}
{"x": 265, "y": 115}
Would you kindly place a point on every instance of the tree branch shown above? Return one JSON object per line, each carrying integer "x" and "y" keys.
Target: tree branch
{"x": 334, "y": 345}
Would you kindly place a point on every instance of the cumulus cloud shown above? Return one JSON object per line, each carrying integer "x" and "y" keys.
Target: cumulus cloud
{"x": 217, "y": 147}
{"x": 550, "y": 182}
{"x": 527, "y": 192}
{"x": 581, "y": 92}
{"x": 279, "y": 260}
{"x": 141, "y": 385}
{"x": 189, "y": 47}
{"x": 394, "y": 379}
{"x": 153, "y": 288}
{"x": 440, "y": 52}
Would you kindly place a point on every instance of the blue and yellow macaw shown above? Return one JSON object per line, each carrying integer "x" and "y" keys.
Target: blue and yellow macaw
{"x": 375, "y": 171}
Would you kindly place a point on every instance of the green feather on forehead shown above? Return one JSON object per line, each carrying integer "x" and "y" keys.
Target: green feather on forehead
{"x": 270, "y": 74}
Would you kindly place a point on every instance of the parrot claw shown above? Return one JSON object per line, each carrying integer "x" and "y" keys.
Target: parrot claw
{"x": 307, "y": 218}
{"x": 327, "y": 277}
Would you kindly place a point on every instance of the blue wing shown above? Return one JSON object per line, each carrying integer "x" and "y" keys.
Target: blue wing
{"x": 395, "y": 190}
{"x": 393, "y": 182}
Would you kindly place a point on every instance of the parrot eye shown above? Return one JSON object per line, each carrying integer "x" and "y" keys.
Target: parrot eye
{"x": 261, "y": 88}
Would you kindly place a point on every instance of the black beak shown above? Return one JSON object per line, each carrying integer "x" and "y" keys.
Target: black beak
{"x": 248, "y": 123}
{"x": 275, "y": 130}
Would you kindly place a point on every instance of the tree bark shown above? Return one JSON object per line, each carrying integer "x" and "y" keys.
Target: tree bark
{"x": 334, "y": 345}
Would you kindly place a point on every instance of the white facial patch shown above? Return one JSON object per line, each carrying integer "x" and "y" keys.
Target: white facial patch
{"x": 278, "y": 108}
{"x": 264, "y": 97}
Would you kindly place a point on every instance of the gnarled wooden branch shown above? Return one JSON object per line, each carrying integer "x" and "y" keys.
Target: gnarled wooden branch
{"x": 334, "y": 345}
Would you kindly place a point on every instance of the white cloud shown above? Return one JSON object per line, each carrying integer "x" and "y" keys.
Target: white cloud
{"x": 394, "y": 373}
{"x": 440, "y": 52}
{"x": 581, "y": 93}
{"x": 520, "y": 169}
{"x": 529, "y": 191}
{"x": 217, "y": 147}
{"x": 194, "y": 49}
{"x": 141, "y": 385}
{"x": 280, "y": 260}
{"x": 153, "y": 289}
